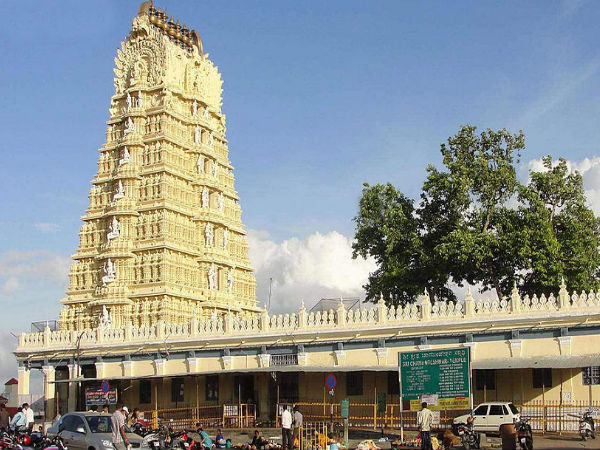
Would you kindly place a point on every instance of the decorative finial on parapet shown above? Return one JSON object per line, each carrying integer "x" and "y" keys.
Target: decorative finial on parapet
{"x": 302, "y": 305}
{"x": 381, "y": 300}
{"x": 425, "y": 297}
{"x": 562, "y": 282}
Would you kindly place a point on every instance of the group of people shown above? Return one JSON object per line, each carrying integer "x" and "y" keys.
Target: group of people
{"x": 22, "y": 420}
{"x": 290, "y": 428}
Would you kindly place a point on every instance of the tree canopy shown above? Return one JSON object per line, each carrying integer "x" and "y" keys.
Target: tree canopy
{"x": 476, "y": 223}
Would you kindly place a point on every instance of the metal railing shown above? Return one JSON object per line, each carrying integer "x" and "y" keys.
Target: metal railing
{"x": 211, "y": 416}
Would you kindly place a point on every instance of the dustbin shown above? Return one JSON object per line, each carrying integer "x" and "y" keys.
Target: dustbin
{"x": 509, "y": 437}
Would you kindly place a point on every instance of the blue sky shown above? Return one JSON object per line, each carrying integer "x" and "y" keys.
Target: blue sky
{"x": 320, "y": 97}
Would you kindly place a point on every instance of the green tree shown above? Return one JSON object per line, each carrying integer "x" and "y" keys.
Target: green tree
{"x": 564, "y": 234}
{"x": 476, "y": 223}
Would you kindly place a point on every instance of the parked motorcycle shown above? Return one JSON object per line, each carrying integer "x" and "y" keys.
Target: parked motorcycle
{"x": 587, "y": 426}
{"x": 469, "y": 438}
{"x": 524, "y": 434}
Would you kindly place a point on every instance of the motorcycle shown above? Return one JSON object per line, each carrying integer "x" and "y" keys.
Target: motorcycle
{"x": 467, "y": 435}
{"x": 586, "y": 426}
{"x": 524, "y": 434}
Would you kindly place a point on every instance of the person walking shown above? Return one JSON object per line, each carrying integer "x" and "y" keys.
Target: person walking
{"x": 29, "y": 419}
{"x": 424, "y": 421}
{"x": 297, "y": 426}
{"x": 119, "y": 438}
{"x": 4, "y": 418}
{"x": 286, "y": 430}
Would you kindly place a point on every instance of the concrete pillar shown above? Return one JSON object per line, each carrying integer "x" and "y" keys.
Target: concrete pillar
{"x": 73, "y": 387}
{"x": 49, "y": 392}
{"x": 23, "y": 386}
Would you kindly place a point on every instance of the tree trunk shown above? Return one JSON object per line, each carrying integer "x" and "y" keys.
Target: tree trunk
{"x": 497, "y": 287}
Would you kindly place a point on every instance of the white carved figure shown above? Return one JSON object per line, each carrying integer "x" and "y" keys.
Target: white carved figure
{"x": 206, "y": 112}
{"x": 114, "y": 229}
{"x": 120, "y": 193}
{"x": 109, "y": 272}
{"x": 212, "y": 277}
{"x": 221, "y": 206}
{"x": 215, "y": 169}
{"x": 139, "y": 100}
{"x": 130, "y": 126}
{"x": 125, "y": 158}
{"x": 105, "y": 319}
{"x": 210, "y": 235}
{"x": 200, "y": 164}
{"x": 205, "y": 198}
{"x": 230, "y": 280}
{"x": 195, "y": 108}
{"x": 225, "y": 238}
{"x": 197, "y": 135}
{"x": 211, "y": 139}
{"x": 128, "y": 101}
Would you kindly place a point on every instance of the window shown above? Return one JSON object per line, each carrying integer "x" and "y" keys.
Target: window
{"x": 212, "y": 388}
{"x": 496, "y": 410}
{"x": 513, "y": 408}
{"x": 99, "y": 424}
{"x": 591, "y": 375}
{"x": 75, "y": 424}
{"x": 145, "y": 396}
{"x": 485, "y": 379}
{"x": 176, "y": 390}
{"x": 354, "y": 383}
{"x": 481, "y": 410}
{"x": 393, "y": 383}
{"x": 542, "y": 378}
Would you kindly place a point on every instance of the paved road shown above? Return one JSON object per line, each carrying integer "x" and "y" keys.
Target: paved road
{"x": 552, "y": 442}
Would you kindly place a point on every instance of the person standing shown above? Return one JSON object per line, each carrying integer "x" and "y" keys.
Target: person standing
{"x": 424, "y": 421}
{"x": 4, "y": 417}
{"x": 297, "y": 426}
{"x": 286, "y": 430}
{"x": 29, "y": 419}
{"x": 18, "y": 421}
{"x": 105, "y": 409}
{"x": 119, "y": 438}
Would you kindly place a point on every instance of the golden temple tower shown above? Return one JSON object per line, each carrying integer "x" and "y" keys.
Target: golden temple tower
{"x": 162, "y": 239}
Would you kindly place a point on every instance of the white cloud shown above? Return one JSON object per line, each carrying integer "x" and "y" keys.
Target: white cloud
{"x": 319, "y": 266}
{"x": 50, "y": 265}
{"x": 46, "y": 227}
{"x": 589, "y": 168}
{"x": 10, "y": 286}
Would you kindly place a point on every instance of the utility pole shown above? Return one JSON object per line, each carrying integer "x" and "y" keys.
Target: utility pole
{"x": 270, "y": 289}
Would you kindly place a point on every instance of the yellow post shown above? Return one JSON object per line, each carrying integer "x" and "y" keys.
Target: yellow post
{"x": 155, "y": 413}
{"x": 197, "y": 402}
{"x": 375, "y": 410}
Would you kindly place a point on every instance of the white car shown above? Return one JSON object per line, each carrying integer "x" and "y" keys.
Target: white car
{"x": 490, "y": 416}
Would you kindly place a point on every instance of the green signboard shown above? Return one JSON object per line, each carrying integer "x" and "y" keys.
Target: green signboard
{"x": 381, "y": 402}
{"x": 345, "y": 408}
{"x": 439, "y": 377}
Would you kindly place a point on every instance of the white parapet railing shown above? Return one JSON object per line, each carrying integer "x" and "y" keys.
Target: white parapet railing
{"x": 379, "y": 316}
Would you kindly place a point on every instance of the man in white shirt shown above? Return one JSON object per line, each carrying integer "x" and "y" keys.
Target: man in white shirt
{"x": 424, "y": 421}
{"x": 29, "y": 419}
{"x": 286, "y": 430}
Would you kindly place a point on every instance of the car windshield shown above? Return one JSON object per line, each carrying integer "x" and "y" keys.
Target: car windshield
{"x": 513, "y": 408}
{"x": 99, "y": 424}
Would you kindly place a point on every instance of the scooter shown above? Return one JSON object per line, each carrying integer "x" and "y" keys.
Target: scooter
{"x": 586, "y": 426}
{"x": 524, "y": 434}
{"x": 467, "y": 435}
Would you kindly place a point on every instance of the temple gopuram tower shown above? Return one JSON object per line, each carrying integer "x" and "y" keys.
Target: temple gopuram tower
{"x": 162, "y": 239}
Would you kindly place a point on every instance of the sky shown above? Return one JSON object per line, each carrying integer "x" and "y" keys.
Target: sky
{"x": 320, "y": 97}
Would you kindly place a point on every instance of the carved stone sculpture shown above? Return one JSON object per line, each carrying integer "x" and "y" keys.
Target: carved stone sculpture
{"x": 114, "y": 229}
{"x": 130, "y": 126}
{"x": 140, "y": 103}
{"x": 210, "y": 235}
{"x": 212, "y": 277}
{"x": 225, "y": 238}
{"x": 211, "y": 139}
{"x": 215, "y": 169}
{"x": 230, "y": 280}
{"x": 125, "y": 158}
{"x": 221, "y": 205}
{"x": 195, "y": 108}
{"x": 120, "y": 193}
{"x": 206, "y": 112}
{"x": 109, "y": 272}
{"x": 105, "y": 319}
{"x": 205, "y": 198}
{"x": 197, "y": 135}
{"x": 128, "y": 101}
{"x": 200, "y": 164}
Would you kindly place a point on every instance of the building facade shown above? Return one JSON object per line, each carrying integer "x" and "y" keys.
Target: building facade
{"x": 161, "y": 301}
